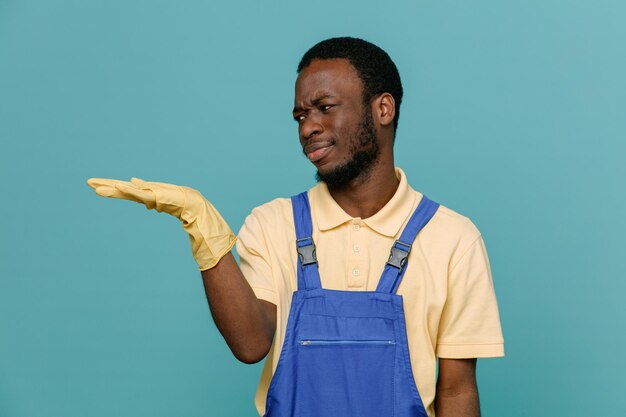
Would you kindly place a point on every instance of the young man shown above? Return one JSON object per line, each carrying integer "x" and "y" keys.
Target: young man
{"x": 347, "y": 101}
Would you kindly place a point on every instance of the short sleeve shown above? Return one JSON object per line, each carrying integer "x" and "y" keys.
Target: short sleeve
{"x": 470, "y": 322}
{"x": 255, "y": 262}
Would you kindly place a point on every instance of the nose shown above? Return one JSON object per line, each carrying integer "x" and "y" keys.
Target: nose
{"x": 310, "y": 127}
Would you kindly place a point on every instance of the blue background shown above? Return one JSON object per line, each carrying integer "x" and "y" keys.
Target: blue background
{"x": 515, "y": 115}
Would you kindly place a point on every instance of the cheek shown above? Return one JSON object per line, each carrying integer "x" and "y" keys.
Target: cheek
{"x": 348, "y": 136}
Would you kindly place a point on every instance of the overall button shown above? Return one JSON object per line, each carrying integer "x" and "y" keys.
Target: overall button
{"x": 356, "y": 272}
{"x": 356, "y": 248}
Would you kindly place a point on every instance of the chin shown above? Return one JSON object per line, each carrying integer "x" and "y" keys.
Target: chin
{"x": 326, "y": 168}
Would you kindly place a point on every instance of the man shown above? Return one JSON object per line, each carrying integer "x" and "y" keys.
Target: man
{"x": 347, "y": 102}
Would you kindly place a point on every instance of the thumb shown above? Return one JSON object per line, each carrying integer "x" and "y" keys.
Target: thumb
{"x": 134, "y": 193}
{"x": 137, "y": 181}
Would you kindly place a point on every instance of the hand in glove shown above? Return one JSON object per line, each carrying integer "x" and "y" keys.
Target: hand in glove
{"x": 210, "y": 236}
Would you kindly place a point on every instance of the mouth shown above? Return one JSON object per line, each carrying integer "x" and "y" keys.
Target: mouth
{"x": 317, "y": 150}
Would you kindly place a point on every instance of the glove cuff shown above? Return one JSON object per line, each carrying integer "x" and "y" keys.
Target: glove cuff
{"x": 210, "y": 236}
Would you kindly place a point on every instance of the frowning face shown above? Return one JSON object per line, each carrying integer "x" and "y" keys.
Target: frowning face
{"x": 335, "y": 128}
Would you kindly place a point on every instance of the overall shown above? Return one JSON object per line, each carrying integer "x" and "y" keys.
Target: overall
{"x": 345, "y": 352}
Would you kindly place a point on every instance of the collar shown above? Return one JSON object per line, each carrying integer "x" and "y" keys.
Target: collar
{"x": 387, "y": 221}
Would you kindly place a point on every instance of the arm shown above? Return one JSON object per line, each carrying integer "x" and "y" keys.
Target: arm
{"x": 457, "y": 393}
{"x": 247, "y": 323}
{"x": 469, "y": 328}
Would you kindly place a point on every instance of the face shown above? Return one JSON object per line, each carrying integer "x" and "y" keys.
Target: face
{"x": 336, "y": 130}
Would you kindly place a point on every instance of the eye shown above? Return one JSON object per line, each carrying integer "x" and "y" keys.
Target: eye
{"x": 298, "y": 117}
{"x": 326, "y": 107}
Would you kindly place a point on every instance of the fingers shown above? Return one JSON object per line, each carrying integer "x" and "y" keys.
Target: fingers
{"x": 134, "y": 193}
{"x": 124, "y": 190}
{"x": 103, "y": 182}
{"x": 106, "y": 187}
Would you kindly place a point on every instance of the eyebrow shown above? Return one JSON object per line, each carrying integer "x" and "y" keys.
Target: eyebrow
{"x": 315, "y": 102}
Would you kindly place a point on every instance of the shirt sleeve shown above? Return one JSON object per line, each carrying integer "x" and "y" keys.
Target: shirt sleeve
{"x": 470, "y": 322}
{"x": 255, "y": 261}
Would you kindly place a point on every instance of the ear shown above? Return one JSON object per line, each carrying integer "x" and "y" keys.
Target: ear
{"x": 384, "y": 109}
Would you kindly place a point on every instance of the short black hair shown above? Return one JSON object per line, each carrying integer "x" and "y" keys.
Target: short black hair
{"x": 377, "y": 71}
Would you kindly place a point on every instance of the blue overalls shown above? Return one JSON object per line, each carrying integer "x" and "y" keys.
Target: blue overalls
{"x": 345, "y": 353}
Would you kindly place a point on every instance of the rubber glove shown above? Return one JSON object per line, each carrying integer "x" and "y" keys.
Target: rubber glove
{"x": 210, "y": 236}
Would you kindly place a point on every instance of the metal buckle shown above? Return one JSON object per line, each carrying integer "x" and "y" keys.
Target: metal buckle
{"x": 399, "y": 256}
{"x": 306, "y": 252}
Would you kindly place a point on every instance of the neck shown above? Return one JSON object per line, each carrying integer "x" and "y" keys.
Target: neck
{"x": 365, "y": 195}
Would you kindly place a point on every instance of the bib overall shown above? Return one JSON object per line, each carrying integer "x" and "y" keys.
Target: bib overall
{"x": 345, "y": 353}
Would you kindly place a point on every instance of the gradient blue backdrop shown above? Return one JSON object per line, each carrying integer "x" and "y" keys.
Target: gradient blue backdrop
{"x": 515, "y": 115}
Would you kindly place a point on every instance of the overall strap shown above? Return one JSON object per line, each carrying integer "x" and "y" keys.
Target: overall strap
{"x": 399, "y": 256}
{"x": 308, "y": 274}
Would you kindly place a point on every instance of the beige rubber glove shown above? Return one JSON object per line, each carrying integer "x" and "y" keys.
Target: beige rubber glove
{"x": 210, "y": 236}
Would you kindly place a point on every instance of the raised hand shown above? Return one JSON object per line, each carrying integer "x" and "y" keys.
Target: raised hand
{"x": 210, "y": 236}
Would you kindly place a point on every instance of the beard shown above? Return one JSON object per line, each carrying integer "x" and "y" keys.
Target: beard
{"x": 364, "y": 151}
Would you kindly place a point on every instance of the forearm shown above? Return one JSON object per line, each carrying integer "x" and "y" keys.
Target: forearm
{"x": 459, "y": 404}
{"x": 247, "y": 323}
{"x": 457, "y": 392}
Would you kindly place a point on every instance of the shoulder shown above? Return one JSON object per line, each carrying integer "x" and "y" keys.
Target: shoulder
{"x": 273, "y": 219}
{"x": 452, "y": 232}
{"x": 276, "y": 209}
{"x": 455, "y": 224}
{"x": 447, "y": 225}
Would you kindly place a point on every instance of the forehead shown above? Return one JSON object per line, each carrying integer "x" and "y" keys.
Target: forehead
{"x": 335, "y": 77}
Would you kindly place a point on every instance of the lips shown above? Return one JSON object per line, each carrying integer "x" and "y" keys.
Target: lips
{"x": 318, "y": 149}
